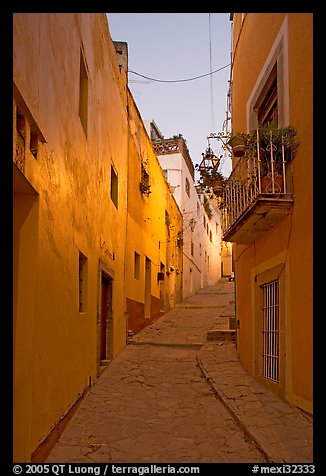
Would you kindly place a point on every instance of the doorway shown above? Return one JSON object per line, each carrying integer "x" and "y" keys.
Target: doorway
{"x": 106, "y": 320}
{"x": 147, "y": 300}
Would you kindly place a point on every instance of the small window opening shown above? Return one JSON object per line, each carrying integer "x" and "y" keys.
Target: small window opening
{"x": 83, "y": 93}
{"x": 20, "y": 124}
{"x": 33, "y": 143}
{"x": 136, "y": 265}
{"x": 114, "y": 187}
{"x": 82, "y": 282}
{"x": 187, "y": 187}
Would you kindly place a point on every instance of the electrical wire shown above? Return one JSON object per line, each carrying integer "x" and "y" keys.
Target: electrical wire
{"x": 211, "y": 75}
{"x": 179, "y": 80}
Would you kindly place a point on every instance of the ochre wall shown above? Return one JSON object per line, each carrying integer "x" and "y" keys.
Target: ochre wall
{"x": 71, "y": 176}
{"x": 147, "y": 229}
{"x": 290, "y": 240}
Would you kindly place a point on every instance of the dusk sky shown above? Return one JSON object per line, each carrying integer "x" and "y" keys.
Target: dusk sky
{"x": 174, "y": 47}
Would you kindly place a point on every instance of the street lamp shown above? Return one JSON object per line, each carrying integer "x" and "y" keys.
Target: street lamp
{"x": 209, "y": 161}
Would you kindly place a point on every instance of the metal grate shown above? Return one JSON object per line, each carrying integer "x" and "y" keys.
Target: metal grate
{"x": 271, "y": 346}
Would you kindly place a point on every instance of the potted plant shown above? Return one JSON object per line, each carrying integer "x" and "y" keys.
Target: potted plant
{"x": 238, "y": 143}
{"x": 272, "y": 143}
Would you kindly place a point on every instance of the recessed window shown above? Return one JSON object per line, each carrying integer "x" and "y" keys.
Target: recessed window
{"x": 187, "y": 187}
{"x": 83, "y": 93}
{"x": 114, "y": 186}
{"x": 20, "y": 123}
{"x": 192, "y": 248}
{"x": 136, "y": 265}
{"x": 82, "y": 282}
{"x": 33, "y": 143}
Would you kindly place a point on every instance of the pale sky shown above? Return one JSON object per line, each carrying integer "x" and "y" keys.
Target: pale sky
{"x": 177, "y": 46}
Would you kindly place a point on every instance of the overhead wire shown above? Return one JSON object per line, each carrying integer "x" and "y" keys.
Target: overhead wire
{"x": 179, "y": 80}
{"x": 211, "y": 75}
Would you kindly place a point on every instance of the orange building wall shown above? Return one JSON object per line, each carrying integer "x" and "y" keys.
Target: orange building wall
{"x": 290, "y": 239}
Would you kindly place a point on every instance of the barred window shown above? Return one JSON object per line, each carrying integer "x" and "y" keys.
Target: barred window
{"x": 271, "y": 330}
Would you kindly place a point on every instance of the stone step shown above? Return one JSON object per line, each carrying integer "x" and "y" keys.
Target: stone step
{"x": 221, "y": 334}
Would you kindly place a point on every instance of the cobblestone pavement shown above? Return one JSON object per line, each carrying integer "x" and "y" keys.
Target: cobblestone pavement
{"x": 172, "y": 396}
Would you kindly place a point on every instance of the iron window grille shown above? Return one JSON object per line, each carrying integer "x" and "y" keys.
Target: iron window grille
{"x": 271, "y": 330}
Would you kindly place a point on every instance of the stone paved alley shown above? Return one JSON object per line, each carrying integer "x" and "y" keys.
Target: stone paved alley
{"x": 177, "y": 393}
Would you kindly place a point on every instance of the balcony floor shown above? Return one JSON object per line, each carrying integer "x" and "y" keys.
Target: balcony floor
{"x": 260, "y": 217}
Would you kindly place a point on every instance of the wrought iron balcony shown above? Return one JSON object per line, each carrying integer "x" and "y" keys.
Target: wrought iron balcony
{"x": 257, "y": 194}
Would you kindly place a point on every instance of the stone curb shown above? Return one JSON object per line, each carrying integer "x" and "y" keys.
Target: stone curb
{"x": 266, "y": 436}
{"x": 212, "y": 384}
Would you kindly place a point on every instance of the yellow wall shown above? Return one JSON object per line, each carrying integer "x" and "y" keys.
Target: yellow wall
{"x": 290, "y": 241}
{"x": 147, "y": 229}
{"x": 63, "y": 206}
{"x": 57, "y": 354}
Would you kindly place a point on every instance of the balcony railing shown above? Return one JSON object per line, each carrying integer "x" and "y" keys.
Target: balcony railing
{"x": 257, "y": 193}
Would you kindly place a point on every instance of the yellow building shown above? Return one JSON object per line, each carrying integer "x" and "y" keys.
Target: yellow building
{"x": 76, "y": 174}
{"x": 268, "y": 200}
{"x": 154, "y": 232}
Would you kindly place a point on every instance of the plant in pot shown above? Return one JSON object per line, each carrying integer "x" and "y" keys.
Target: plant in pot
{"x": 273, "y": 142}
{"x": 210, "y": 178}
{"x": 238, "y": 143}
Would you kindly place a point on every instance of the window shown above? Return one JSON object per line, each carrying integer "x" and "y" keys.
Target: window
{"x": 210, "y": 236}
{"x": 20, "y": 123}
{"x": 33, "y": 143}
{"x": 187, "y": 187}
{"x": 136, "y": 265}
{"x": 167, "y": 223}
{"x": 192, "y": 248}
{"x": 114, "y": 186}
{"x": 198, "y": 208}
{"x": 82, "y": 282}
{"x": 270, "y": 330}
{"x": 83, "y": 93}
{"x": 266, "y": 105}
{"x": 216, "y": 228}
{"x": 204, "y": 221}
{"x": 20, "y": 140}
{"x": 199, "y": 249}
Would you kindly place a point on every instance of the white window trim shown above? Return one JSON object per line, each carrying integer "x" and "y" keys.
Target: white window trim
{"x": 278, "y": 53}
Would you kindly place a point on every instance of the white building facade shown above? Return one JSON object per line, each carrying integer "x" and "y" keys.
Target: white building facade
{"x": 201, "y": 221}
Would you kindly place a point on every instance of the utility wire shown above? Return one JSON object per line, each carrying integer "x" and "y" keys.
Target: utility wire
{"x": 211, "y": 78}
{"x": 179, "y": 80}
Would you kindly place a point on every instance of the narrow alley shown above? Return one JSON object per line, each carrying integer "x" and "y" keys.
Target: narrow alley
{"x": 162, "y": 399}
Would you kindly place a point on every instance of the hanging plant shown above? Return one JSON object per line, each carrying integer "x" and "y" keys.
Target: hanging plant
{"x": 210, "y": 177}
{"x": 180, "y": 239}
{"x": 238, "y": 143}
{"x": 207, "y": 207}
{"x": 144, "y": 185}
